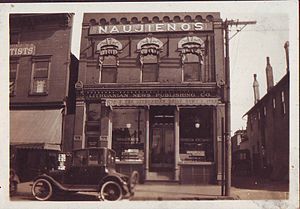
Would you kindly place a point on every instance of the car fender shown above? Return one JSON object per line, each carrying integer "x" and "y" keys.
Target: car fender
{"x": 112, "y": 177}
{"x": 52, "y": 181}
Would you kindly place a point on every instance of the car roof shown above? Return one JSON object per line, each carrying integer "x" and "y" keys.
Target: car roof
{"x": 93, "y": 148}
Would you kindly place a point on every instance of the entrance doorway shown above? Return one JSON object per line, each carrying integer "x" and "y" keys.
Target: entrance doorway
{"x": 162, "y": 138}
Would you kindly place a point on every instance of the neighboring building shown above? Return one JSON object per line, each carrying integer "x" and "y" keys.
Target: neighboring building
{"x": 41, "y": 78}
{"x": 150, "y": 87}
{"x": 238, "y": 140}
{"x": 241, "y": 158}
{"x": 268, "y": 129}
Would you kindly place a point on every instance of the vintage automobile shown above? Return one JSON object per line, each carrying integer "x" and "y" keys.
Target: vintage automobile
{"x": 91, "y": 170}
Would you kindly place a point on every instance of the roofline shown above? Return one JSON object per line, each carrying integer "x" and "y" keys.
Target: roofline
{"x": 282, "y": 80}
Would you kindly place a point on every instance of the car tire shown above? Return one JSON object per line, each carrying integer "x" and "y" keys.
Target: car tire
{"x": 111, "y": 191}
{"x": 134, "y": 180}
{"x": 42, "y": 189}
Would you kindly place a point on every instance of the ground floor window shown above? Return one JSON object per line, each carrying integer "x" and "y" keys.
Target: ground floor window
{"x": 196, "y": 134}
{"x": 128, "y": 134}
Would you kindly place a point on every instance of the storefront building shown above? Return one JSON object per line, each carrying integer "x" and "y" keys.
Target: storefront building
{"x": 40, "y": 101}
{"x": 150, "y": 87}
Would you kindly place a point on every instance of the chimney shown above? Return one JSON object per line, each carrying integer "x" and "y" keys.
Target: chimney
{"x": 286, "y": 47}
{"x": 269, "y": 73}
{"x": 255, "y": 89}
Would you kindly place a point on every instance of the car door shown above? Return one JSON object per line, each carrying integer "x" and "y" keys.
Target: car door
{"x": 96, "y": 166}
{"x": 77, "y": 174}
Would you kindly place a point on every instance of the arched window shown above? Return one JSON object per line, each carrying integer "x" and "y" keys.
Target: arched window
{"x": 149, "y": 49}
{"x": 192, "y": 54}
{"x": 108, "y": 51}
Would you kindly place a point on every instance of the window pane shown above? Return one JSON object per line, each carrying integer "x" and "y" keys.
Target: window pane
{"x": 43, "y": 65}
{"x": 92, "y": 141}
{"x": 109, "y": 75}
{"x": 150, "y": 72}
{"x": 191, "y": 58}
{"x": 38, "y": 73}
{"x": 150, "y": 59}
{"x": 110, "y": 60}
{"x": 128, "y": 133}
{"x": 39, "y": 85}
{"x": 12, "y": 85}
{"x": 94, "y": 112}
{"x": 196, "y": 138}
{"x": 191, "y": 72}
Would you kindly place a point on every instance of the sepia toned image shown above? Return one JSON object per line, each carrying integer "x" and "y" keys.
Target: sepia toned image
{"x": 141, "y": 106}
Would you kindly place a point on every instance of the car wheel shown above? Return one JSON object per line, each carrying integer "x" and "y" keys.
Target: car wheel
{"x": 111, "y": 191}
{"x": 42, "y": 189}
{"x": 134, "y": 179}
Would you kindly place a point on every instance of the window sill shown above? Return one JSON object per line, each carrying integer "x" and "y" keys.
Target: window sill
{"x": 195, "y": 163}
{"x": 38, "y": 94}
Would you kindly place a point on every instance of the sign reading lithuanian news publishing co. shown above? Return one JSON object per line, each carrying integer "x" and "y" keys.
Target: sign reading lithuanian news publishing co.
{"x": 149, "y": 28}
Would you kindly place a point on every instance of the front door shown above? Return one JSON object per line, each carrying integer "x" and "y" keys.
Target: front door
{"x": 162, "y": 140}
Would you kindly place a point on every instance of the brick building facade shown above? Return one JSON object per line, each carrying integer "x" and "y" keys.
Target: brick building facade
{"x": 150, "y": 87}
{"x": 41, "y": 77}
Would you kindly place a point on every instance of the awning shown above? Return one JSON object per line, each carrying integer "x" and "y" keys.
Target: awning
{"x": 36, "y": 129}
{"x": 163, "y": 101}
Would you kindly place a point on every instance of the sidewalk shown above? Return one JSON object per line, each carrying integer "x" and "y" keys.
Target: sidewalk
{"x": 172, "y": 191}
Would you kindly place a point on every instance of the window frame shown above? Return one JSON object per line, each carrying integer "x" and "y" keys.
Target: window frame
{"x": 14, "y": 61}
{"x": 36, "y": 59}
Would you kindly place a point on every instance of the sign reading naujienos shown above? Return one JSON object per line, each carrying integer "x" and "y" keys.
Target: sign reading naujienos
{"x": 22, "y": 49}
{"x": 149, "y": 28}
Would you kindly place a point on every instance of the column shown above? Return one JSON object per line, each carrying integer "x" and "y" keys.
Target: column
{"x": 109, "y": 136}
{"x": 177, "y": 157}
{"x": 79, "y": 137}
{"x": 220, "y": 112}
{"x": 147, "y": 140}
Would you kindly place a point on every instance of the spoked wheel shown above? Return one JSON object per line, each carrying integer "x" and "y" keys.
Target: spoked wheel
{"x": 111, "y": 191}
{"x": 42, "y": 189}
{"x": 134, "y": 180}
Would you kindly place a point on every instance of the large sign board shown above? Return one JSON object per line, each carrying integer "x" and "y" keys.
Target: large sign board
{"x": 150, "y": 28}
{"x": 162, "y": 101}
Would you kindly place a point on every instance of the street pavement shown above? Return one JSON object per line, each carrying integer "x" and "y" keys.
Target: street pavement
{"x": 242, "y": 189}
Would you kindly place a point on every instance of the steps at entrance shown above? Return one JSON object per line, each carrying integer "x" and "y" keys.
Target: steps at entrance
{"x": 160, "y": 176}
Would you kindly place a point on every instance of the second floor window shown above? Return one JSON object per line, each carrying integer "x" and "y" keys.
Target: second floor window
{"x": 109, "y": 69}
{"x": 149, "y": 49}
{"x": 108, "y": 50}
{"x": 192, "y": 50}
{"x": 40, "y": 75}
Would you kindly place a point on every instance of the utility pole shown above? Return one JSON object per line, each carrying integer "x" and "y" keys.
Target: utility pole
{"x": 226, "y": 24}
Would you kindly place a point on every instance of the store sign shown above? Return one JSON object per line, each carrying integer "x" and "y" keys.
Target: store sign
{"x": 162, "y": 101}
{"x": 22, "y": 49}
{"x": 149, "y": 28}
